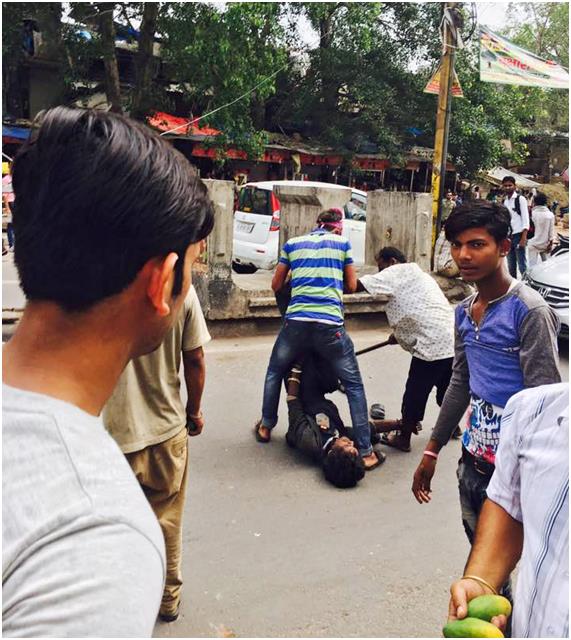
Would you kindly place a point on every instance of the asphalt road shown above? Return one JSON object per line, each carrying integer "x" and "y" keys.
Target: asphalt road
{"x": 272, "y": 550}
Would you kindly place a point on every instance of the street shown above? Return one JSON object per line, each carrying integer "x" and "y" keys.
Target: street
{"x": 272, "y": 550}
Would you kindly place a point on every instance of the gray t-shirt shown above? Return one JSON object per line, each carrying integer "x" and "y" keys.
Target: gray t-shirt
{"x": 83, "y": 554}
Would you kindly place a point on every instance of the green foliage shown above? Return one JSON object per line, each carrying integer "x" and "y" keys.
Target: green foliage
{"x": 217, "y": 54}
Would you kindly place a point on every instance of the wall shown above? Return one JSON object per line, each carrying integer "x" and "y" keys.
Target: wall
{"x": 300, "y": 207}
{"x": 401, "y": 220}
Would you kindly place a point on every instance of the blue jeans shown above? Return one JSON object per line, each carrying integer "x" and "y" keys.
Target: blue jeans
{"x": 333, "y": 344}
{"x": 10, "y": 232}
{"x": 517, "y": 255}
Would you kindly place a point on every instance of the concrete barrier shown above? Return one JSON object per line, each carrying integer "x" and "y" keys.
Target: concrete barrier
{"x": 402, "y": 220}
{"x": 300, "y": 206}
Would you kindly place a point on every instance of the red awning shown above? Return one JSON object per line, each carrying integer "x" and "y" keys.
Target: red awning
{"x": 165, "y": 122}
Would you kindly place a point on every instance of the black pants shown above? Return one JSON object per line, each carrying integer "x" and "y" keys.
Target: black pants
{"x": 422, "y": 377}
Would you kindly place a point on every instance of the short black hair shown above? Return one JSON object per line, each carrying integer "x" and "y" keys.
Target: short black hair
{"x": 330, "y": 215}
{"x": 540, "y": 199}
{"x": 508, "y": 179}
{"x": 96, "y": 196}
{"x": 386, "y": 253}
{"x": 479, "y": 213}
{"x": 343, "y": 468}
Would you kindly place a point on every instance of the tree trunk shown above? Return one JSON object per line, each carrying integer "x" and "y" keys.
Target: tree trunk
{"x": 107, "y": 32}
{"x": 144, "y": 63}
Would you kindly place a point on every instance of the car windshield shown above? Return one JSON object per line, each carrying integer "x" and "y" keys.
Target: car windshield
{"x": 253, "y": 200}
{"x": 356, "y": 208}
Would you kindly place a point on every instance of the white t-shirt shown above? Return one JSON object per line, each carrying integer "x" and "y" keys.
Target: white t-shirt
{"x": 83, "y": 554}
{"x": 418, "y": 312}
{"x": 544, "y": 222}
{"x": 518, "y": 222}
{"x": 531, "y": 483}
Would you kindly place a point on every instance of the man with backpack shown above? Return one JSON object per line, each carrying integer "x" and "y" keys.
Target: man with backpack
{"x": 517, "y": 206}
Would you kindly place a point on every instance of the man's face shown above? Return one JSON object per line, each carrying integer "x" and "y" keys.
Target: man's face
{"x": 383, "y": 264}
{"x": 477, "y": 254}
{"x": 449, "y": 196}
{"x": 346, "y": 444}
{"x": 509, "y": 188}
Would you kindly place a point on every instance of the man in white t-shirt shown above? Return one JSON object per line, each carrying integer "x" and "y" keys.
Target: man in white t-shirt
{"x": 517, "y": 206}
{"x": 422, "y": 321}
{"x": 146, "y": 417}
{"x": 544, "y": 230}
{"x": 109, "y": 219}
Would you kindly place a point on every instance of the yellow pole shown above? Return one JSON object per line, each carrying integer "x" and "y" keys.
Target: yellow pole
{"x": 442, "y": 120}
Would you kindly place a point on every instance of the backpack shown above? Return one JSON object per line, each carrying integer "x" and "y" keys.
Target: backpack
{"x": 517, "y": 207}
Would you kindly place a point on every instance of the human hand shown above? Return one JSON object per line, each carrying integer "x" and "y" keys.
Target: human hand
{"x": 422, "y": 478}
{"x": 194, "y": 424}
{"x": 461, "y": 592}
{"x": 522, "y": 243}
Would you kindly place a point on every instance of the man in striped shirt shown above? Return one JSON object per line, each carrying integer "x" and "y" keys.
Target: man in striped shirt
{"x": 322, "y": 269}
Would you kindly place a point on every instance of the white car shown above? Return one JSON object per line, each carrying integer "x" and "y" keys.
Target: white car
{"x": 257, "y": 224}
{"x": 551, "y": 280}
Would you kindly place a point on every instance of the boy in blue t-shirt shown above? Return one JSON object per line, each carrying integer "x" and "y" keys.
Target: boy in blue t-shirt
{"x": 505, "y": 341}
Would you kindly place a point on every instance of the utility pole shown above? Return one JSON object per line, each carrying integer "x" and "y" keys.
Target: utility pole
{"x": 450, "y": 21}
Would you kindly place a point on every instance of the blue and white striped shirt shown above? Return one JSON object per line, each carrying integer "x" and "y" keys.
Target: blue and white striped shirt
{"x": 531, "y": 483}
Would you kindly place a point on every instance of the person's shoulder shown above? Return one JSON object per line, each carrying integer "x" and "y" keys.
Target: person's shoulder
{"x": 548, "y": 402}
{"x": 528, "y": 298}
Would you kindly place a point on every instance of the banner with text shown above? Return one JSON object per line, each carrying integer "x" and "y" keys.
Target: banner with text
{"x": 504, "y": 62}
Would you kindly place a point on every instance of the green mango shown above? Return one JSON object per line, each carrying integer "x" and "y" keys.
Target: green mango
{"x": 471, "y": 628}
{"x": 487, "y": 607}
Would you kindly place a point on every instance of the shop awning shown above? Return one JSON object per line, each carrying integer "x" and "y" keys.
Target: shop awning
{"x": 495, "y": 176}
{"x": 179, "y": 126}
{"x": 14, "y": 135}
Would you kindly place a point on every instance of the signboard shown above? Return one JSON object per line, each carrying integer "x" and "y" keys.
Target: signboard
{"x": 503, "y": 62}
{"x": 433, "y": 85}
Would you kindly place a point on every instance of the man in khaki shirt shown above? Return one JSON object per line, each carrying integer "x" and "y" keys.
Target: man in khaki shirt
{"x": 146, "y": 417}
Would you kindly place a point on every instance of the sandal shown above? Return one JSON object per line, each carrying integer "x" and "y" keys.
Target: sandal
{"x": 259, "y": 437}
{"x": 380, "y": 459}
{"x": 389, "y": 441}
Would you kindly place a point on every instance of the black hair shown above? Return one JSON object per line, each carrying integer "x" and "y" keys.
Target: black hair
{"x": 494, "y": 217}
{"x": 508, "y": 179}
{"x": 540, "y": 199}
{"x": 96, "y": 196}
{"x": 331, "y": 215}
{"x": 343, "y": 468}
{"x": 386, "y": 253}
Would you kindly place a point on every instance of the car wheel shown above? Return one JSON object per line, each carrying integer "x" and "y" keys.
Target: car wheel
{"x": 244, "y": 268}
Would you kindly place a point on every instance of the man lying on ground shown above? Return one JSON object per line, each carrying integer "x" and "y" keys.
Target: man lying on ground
{"x": 315, "y": 426}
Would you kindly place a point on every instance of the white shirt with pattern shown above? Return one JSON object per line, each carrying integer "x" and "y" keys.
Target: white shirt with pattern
{"x": 418, "y": 312}
{"x": 531, "y": 483}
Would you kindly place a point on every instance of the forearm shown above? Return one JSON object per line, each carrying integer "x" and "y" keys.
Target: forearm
{"x": 194, "y": 377}
{"x": 523, "y": 238}
{"x": 497, "y": 546}
{"x": 454, "y": 406}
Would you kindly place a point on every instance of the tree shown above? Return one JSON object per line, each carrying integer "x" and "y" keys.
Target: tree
{"x": 141, "y": 102}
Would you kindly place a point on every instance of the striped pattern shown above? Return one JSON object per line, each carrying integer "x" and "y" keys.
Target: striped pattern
{"x": 531, "y": 483}
{"x": 317, "y": 262}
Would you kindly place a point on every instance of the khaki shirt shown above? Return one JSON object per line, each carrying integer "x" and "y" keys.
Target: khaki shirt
{"x": 146, "y": 407}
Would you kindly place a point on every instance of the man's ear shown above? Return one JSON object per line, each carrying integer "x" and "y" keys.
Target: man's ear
{"x": 505, "y": 246}
{"x": 160, "y": 283}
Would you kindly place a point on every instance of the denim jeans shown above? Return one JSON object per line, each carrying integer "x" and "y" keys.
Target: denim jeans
{"x": 472, "y": 488}
{"x": 517, "y": 257}
{"x": 333, "y": 344}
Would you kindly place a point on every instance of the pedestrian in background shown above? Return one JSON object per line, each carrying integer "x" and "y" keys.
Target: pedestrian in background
{"x": 517, "y": 206}
{"x": 544, "y": 234}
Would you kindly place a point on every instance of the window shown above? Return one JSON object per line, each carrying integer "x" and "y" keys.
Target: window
{"x": 254, "y": 200}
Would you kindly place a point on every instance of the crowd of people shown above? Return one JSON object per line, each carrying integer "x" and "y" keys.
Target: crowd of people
{"x": 108, "y": 221}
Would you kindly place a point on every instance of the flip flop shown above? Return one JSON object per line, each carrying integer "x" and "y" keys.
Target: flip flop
{"x": 257, "y": 434}
{"x": 378, "y": 463}
{"x": 385, "y": 439}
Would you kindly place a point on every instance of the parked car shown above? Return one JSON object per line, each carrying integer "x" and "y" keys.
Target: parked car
{"x": 257, "y": 224}
{"x": 551, "y": 280}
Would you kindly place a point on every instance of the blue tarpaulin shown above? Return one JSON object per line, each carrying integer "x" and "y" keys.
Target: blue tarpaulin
{"x": 15, "y": 132}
